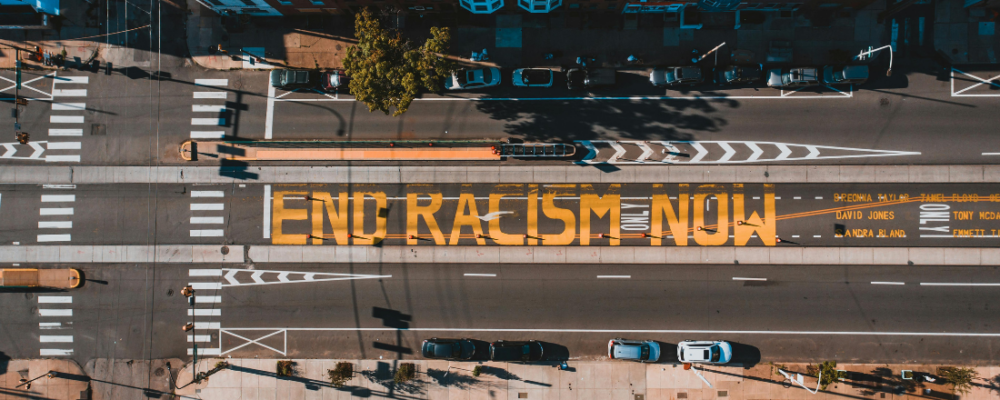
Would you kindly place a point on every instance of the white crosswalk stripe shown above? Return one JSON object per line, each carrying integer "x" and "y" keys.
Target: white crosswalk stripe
{"x": 48, "y": 312}
{"x": 207, "y": 134}
{"x": 208, "y": 297}
{"x": 63, "y": 215}
{"x": 65, "y": 132}
{"x": 211, "y": 95}
{"x": 197, "y": 217}
{"x": 66, "y": 113}
{"x": 55, "y": 326}
{"x": 69, "y": 106}
{"x": 212, "y": 82}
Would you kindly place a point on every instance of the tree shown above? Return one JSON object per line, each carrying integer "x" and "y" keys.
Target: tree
{"x": 387, "y": 70}
{"x": 959, "y": 378}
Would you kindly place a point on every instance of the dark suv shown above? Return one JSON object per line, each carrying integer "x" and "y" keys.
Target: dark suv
{"x": 502, "y": 350}
{"x": 294, "y": 79}
{"x": 448, "y": 349}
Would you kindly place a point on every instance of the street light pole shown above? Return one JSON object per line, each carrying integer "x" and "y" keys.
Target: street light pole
{"x": 865, "y": 53}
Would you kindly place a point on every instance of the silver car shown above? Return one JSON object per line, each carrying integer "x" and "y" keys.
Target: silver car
{"x": 791, "y": 78}
{"x": 675, "y": 76}
{"x": 635, "y": 350}
{"x": 704, "y": 352}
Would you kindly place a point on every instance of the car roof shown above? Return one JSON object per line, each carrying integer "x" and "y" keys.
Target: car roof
{"x": 626, "y": 351}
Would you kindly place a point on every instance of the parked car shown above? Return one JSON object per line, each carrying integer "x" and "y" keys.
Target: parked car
{"x": 635, "y": 350}
{"x": 523, "y": 351}
{"x": 675, "y": 76}
{"x": 448, "y": 349}
{"x": 844, "y": 75}
{"x": 334, "y": 80}
{"x": 791, "y": 78}
{"x": 737, "y": 74}
{"x": 533, "y": 77}
{"x": 707, "y": 352}
{"x": 579, "y": 78}
{"x": 294, "y": 79}
{"x": 478, "y": 78}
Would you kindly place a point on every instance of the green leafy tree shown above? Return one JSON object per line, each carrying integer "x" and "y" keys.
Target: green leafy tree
{"x": 387, "y": 70}
{"x": 959, "y": 378}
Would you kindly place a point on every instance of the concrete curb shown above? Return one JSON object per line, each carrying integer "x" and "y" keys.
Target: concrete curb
{"x": 507, "y": 174}
{"x": 186, "y": 254}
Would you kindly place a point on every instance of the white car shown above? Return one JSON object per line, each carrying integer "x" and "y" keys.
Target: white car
{"x": 635, "y": 350}
{"x": 465, "y": 79}
{"x": 704, "y": 352}
{"x": 791, "y": 78}
{"x": 533, "y": 77}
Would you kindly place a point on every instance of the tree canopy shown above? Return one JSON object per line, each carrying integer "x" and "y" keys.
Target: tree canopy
{"x": 388, "y": 70}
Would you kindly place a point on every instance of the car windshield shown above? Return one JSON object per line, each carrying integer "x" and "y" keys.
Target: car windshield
{"x": 679, "y": 73}
{"x": 487, "y": 75}
{"x": 716, "y": 354}
{"x": 460, "y": 76}
{"x": 644, "y": 352}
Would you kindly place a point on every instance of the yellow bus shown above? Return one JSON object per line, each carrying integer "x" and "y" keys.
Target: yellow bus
{"x": 62, "y": 278}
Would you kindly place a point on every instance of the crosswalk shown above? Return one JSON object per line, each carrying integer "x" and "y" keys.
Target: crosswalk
{"x": 208, "y": 121}
{"x": 55, "y": 321}
{"x": 206, "y": 312}
{"x": 67, "y": 118}
{"x": 208, "y": 213}
{"x": 55, "y": 216}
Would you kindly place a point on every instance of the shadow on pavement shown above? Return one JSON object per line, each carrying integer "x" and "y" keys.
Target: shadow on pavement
{"x": 744, "y": 354}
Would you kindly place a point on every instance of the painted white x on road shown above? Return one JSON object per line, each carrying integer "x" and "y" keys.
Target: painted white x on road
{"x": 982, "y": 81}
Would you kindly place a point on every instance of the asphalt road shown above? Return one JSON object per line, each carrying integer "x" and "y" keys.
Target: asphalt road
{"x": 129, "y": 118}
{"x": 802, "y": 214}
{"x": 798, "y": 314}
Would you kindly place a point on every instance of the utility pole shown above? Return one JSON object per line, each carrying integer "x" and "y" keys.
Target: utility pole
{"x": 22, "y": 137}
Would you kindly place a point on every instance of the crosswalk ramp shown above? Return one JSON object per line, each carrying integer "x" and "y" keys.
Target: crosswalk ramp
{"x": 208, "y": 218}
{"x": 55, "y": 325}
{"x": 67, "y": 118}
{"x": 206, "y": 312}
{"x": 55, "y": 215}
{"x": 210, "y": 112}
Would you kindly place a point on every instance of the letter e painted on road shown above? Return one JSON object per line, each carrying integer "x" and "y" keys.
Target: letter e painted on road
{"x": 280, "y": 214}
{"x": 765, "y": 228}
{"x": 338, "y": 217}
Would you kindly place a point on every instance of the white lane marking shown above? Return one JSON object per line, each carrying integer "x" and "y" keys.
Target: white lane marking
{"x": 210, "y": 95}
{"x": 208, "y": 121}
{"x": 211, "y": 82}
{"x": 795, "y": 236}
{"x": 53, "y": 238}
{"x": 71, "y": 79}
{"x": 207, "y": 220}
{"x": 199, "y": 338}
{"x": 207, "y": 206}
{"x": 55, "y": 211}
{"x": 483, "y": 275}
{"x": 55, "y": 224}
{"x": 633, "y": 98}
{"x": 207, "y": 233}
{"x": 204, "y": 272}
{"x": 50, "y": 312}
{"x": 614, "y": 277}
{"x": 58, "y": 186}
{"x": 267, "y": 212}
{"x": 55, "y": 339}
{"x": 207, "y": 299}
{"x": 66, "y": 119}
{"x": 957, "y": 284}
{"x": 63, "y": 145}
{"x": 207, "y": 193}
{"x": 269, "y": 114}
{"x": 207, "y": 325}
{"x": 991, "y": 154}
{"x": 55, "y": 198}
{"x": 69, "y": 106}
{"x": 817, "y": 236}
{"x": 819, "y": 197}
{"x": 55, "y": 352}
{"x": 75, "y": 158}
{"x": 887, "y": 283}
{"x": 738, "y": 278}
{"x": 206, "y": 285}
{"x": 777, "y": 197}
{"x": 50, "y": 325}
{"x": 207, "y": 134}
{"x": 55, "y": 299}
{"x": 207, "y": 108}
{"x": 633, "y": 331}
{"x": 206, "y": 352}
{"x": 65, "y": 132}
{"x": 204, "y": 312}
{"x": 797, "y": 198}
{"x": 69, "y": 92}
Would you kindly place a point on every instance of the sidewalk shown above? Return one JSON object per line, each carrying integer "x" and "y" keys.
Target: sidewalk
{"x": 75, "y": 23}
{"x": 12, "y": 371}
{"x": 603, "y": 380}
{"x": 520, "y": 39}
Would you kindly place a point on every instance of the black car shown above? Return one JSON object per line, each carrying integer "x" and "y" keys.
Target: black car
{"x": 737, "y": 74}
{"x": 501, "y": 350}
{"x": 294, "y": 79}
{"x": 448, "y": 349}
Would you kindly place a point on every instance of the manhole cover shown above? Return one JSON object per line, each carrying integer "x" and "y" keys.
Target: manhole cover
{"x": 225, "y": 250}
{"x": 883, "y": 101}
{"x": 29, "y": 296}
{"x": 170, "y": 292}
{"x": 159, "y": 372}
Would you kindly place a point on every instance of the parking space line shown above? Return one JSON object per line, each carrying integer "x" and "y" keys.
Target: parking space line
{"x": 482, "y": 275}
{"x": 957, "y": 284}
{"x": 887, "y": 283}
{"x": 614, "y": 277}
{"x": 737, "y": 278}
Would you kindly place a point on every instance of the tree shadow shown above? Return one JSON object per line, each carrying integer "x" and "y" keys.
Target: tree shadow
{"x": 447, "y": 379}
{"x": 501, "y": 373}
{"x": 383, "y": 375}
{"x": 565, "y": 120}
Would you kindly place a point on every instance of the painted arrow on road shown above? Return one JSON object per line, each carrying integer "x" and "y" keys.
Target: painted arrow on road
{"x": 9, "y": 149}
{"x": 265, "y": 277}
{"x": 720, "y": 152}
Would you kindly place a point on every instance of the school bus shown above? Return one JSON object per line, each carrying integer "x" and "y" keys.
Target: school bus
{"x": 62, "y": 278}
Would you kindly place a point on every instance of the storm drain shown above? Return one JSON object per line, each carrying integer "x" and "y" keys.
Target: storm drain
{"x": 723, "y": 393}
{"x": 682, "y": 395}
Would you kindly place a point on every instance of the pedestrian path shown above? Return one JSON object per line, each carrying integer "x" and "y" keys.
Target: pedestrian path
{"x": 206, "y": 312}
{"x": 56, "y": 213}
{"x": 66, "y": 123}
{"x": 208, "y": 213}
{"x": 208, "y": 119}
{"x": 55, "y": 324}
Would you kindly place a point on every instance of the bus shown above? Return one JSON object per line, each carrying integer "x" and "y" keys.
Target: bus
{"x": 62, "y": 278}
